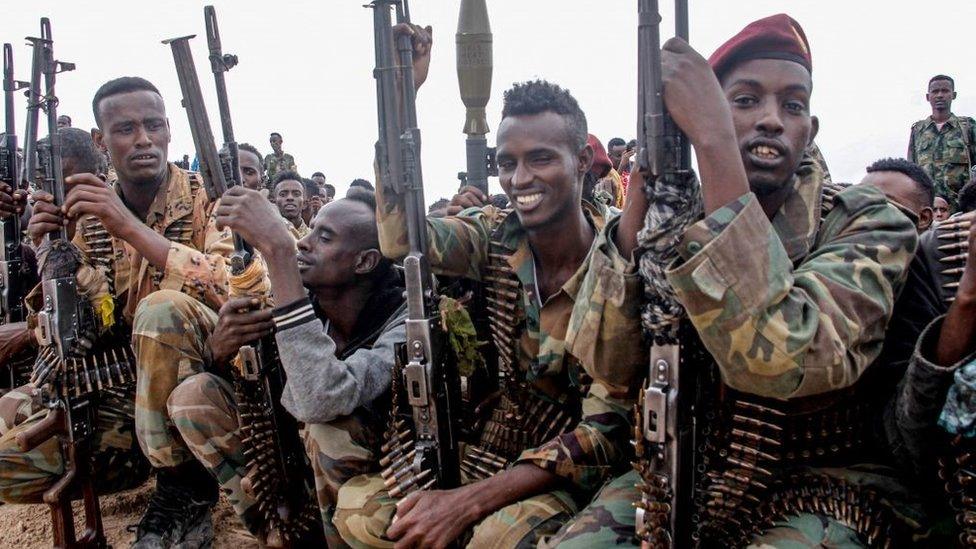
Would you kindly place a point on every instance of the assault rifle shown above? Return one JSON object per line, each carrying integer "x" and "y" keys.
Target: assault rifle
{"x": 279, "y": 474}
{"x": 666, "y": 428}
{"x": 474, "y": 66}
{"x": 429, "y": 374}
{"x": 14, "y": 277}
{"x": 67, "y": 328}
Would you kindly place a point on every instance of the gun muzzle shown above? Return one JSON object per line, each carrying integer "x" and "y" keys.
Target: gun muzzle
{"x": 474, "y": 64}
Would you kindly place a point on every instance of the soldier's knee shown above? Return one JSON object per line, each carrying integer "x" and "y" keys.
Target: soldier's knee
{"x": 163, "y": 310}
{"x": 363, "y": 512}
{"x": 195, "y": 391}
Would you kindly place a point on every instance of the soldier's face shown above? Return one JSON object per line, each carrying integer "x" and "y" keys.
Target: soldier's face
{"x": 135, "y": 132}
{"x": 941, "y": 209}
{"x": 250, "y": 170}
{"x": 276, "y": 143}
{"x": 334, "y": 253}
{"x": 770, "y": 100}
{"x": 290, "y": 198}
{"x": 940, "y": 95}
{"x": 539, "y": 169}
{"x": 615, "y": 153}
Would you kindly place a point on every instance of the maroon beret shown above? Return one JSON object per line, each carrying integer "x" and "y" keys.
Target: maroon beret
{"x": 774, "y": 37}
{"x": 600, "y": 157}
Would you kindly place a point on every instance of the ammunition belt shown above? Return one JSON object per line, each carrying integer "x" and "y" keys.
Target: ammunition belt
{"x": 18, "y": 370}
{"x": 953, "y": 248}
{"x": 749, "y": 442}
{"x": 261, "y": 446}
{"x": 101, "y": 252}
{"x": 179, "y": 231}
{"x": 956, "y": 471}
{"x": 109, "y": 366}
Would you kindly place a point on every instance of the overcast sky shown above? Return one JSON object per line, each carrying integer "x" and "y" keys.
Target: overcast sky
{"x": 305, "y": 68}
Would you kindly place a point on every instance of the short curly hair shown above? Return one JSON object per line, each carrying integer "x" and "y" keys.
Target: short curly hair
{"x": 539, "y": 96}
{"x": 912, "y": 170}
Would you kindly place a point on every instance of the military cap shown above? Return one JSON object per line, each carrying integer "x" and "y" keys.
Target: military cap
{"x": 775, "y": 37}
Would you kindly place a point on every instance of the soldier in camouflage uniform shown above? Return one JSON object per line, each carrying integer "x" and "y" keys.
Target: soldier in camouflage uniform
{"x": 572, "y": 302}
{"x": 288, "y": 193}
{"x": 337, "y": 354}
{"x": 118, "y": 463}
{"x": 160, "y": 243}
{"x": 278, "y": 161}
{"x": 944, "y": 144}
{"x": 788, "y": 285}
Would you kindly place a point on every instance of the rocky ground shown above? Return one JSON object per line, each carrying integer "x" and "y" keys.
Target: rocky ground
{"x": 29, "y": 526}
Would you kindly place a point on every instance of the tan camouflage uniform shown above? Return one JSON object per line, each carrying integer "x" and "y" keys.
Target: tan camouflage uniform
{"x": 788, "y": 307}
{"x": 180, "y": 213}
{"x": 571, "y": 344}
{"x": 946, "y": 154}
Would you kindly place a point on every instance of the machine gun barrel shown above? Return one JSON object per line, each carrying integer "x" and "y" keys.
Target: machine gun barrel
{"x": 13, "y": 285}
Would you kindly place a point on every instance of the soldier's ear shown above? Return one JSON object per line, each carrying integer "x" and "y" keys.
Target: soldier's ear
{"x": 367, "y": 260}
{"x": 98, "y": 138}
{"x": 585, "y": 159}
{"x": 925, "y": 217}
{"x": 953, "y": 94}
{"x": 814, "y": 129}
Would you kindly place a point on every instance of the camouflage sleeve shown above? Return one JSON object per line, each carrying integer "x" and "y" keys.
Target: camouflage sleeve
{"x": 911, "y": 145}
{"x": 458, "y": 245}
{"x": 201, "y": 270}
{"x": 782, "y": 331}
{"x": 911, "y": 420}
{"x": 292, "y": 165}
{"x": 596, "y": 449}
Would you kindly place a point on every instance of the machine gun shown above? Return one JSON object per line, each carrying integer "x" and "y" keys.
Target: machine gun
{"x": 67, "y": 371}
{"x": 665, "y": 426}
{"x": 474, "y": 66}
{"x": 425, "y": 367}
{"x": 279, "y": 474}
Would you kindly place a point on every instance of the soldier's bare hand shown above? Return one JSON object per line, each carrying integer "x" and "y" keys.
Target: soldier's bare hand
{"x": 422, "y": 39}
{"x": 240, "y": 321}
{"x": 692, "y": 93}
{"x": 467, "y": 197}
{"x": 46, "y": 218}
{"x": 87, "y": 194}
{"x": 624, "y": 165}
{"x": 247, "y": 213}
{"x": 432, "y": 518}
{"x": 15, "y": 338}
{"x": 11, "y": 201}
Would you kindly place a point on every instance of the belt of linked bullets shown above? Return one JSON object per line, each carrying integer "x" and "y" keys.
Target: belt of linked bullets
{"x": 259, "y": 443}
{"x": 181, "y": 232}
{"x": 751, "y": 446}
{"x": 20, "y": 368}
{"x": 958, "y": 475}
{"x": 953, "y": 248}
{"x": 101, "y": 252}
{"x": 110, "y": 367}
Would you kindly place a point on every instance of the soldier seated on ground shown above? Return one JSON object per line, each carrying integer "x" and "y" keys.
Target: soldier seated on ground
{"x": 790, "y": 298}
{"x": 566, "y": 325}
{"x": 339, "y": 311}
{"x": 117, "y": 461}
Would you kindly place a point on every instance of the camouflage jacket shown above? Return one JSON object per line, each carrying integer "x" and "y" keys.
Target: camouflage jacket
{"x": 795, "y": 306}
{"x": 197, "y": 263}
{"x": 585, "y": 338}
{"x": 274, "y": 164}
{"x": 298, "y": 232}
{"x": 946, "y": 154}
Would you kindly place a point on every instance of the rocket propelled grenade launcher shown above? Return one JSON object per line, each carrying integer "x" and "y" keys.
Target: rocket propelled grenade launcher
{"x": 425, "y": 365}
{"x": 474, "y": 68}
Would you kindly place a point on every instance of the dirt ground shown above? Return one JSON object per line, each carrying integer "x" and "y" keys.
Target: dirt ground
{"x": 29, "y": 526}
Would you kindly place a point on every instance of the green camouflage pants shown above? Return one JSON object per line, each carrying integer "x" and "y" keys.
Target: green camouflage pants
{"x": 365, "y": 510}
{"x": 203, "y": 410}
{"x": 169, "y": 337}
{"x": 24, "y": 476}
{"x": 608, "y": 520}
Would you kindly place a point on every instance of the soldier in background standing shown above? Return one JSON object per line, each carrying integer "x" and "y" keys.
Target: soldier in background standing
{"x": 943, "y": 144}
{"x": 279, "y": 160}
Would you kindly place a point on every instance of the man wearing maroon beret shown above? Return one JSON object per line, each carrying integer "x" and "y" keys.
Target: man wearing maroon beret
{"x": 788, "y": 283}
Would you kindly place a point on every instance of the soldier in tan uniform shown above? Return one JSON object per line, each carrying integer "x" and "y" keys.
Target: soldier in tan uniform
{"x": 288, "y": 193}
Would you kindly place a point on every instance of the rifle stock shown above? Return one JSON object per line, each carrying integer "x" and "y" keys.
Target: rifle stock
{"x": 429, "y": 376}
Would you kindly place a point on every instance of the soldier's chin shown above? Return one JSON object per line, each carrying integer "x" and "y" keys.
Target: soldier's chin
{"x": 764, "y": 183}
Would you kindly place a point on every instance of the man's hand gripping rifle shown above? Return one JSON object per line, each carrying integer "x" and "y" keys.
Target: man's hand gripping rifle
{"x": 426, "y": 369}
{"x": 279, "y": 474}
{"x": 665, "y": 425}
